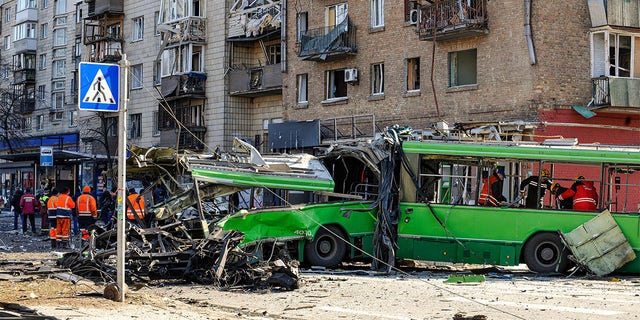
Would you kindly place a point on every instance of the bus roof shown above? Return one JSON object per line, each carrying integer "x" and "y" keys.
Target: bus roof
{"x": 528, "y": 151}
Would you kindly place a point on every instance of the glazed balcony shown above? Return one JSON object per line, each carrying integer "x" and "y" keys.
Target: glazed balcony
{"x": 24, "y": 76}
{"x": 100, "y": 7}
{"x": 326, "y": 43}
{"x": 256, "y": 81}
{"x": 25, "y": 105}
{"x": 26, "y": 44}
{"x": 453, "y": 19}
{"x": 191, "y": 84}
{"x": 616, "y": 92}
{"x": 28, "y": 14}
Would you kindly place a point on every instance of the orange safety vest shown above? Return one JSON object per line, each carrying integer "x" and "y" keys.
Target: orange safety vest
{"x": 64, "y": 205}
{"x": 137, "y": 202}
{"x": 87, "y": 206}
{"x": 51, "y": 206}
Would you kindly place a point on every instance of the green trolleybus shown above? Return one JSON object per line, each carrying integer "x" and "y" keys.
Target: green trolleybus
{"x": 438, "y": 216}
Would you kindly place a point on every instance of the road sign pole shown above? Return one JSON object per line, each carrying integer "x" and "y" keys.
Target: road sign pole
{"x": 122, "y": 176}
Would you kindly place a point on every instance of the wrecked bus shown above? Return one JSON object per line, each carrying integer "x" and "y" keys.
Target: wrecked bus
{"x": 423, "y": 204}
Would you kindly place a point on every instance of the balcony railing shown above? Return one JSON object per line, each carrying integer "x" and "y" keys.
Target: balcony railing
{"x": 24, "y": 75}
{"x": 347, "y": 128}
{"x": 321, "y": 44}
{"x": 616, "y": 92}
{"x": 26, "y": 105}
{"x": 453, "y": 19}
{"x": 191, "y": 84}
{"x": 256, "y": 81}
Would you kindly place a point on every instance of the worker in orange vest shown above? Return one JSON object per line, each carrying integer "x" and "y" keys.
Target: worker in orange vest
{"x": 135, "y": 202}
{"x": 64, "y": 212}
{"x": 87, "y": 211}
{"x": 52, "y": 212}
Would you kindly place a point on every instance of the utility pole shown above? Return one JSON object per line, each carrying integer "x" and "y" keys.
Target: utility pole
{"x": 122, "y": 176}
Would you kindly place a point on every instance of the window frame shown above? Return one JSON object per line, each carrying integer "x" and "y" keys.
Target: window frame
{"x": 377, "y": 79}
{"x": 137, "y": 29}
{"x": 302, "y": 25}
{"x": 412, "y": 76}
{"x": 376, "y": 16}
{"x": 136, "y": 77}
{"x": 456, "y": 67}
{"x": 135, "y": 126}
{"x": 335, "y": 86}
{"x": 302, "y": 88}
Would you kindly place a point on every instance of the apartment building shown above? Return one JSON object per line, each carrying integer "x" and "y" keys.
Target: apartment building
{"x": 552, "y": 68}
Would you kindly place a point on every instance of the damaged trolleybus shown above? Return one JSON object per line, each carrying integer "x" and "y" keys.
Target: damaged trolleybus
{"x": 426, "y": 204}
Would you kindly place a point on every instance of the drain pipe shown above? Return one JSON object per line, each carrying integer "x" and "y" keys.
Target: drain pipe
{"x": 527, "y": 31}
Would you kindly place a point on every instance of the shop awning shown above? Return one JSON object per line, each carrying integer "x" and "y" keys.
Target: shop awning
{"x": 59, "y": 156}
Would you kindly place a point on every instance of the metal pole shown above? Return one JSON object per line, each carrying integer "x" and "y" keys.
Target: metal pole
{"x": 122, "y": 176}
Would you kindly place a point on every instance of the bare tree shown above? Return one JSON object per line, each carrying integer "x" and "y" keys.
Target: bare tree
{"x": 100, "y": 129}
{"x": 16, "y": 106}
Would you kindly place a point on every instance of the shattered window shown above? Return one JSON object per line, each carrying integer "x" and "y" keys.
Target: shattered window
{"x": 462, "y": 68}
{"x": 302, "y": 88}
{"x": 135, "y": 125}
{"x": 336, "y": 86}
{"x": 336, "y": 14}
{"x": 173, "y": 10}
{"x": 413, "y": 74}
{"x": 619, "y": 55}
{"x": 377, "y": 79}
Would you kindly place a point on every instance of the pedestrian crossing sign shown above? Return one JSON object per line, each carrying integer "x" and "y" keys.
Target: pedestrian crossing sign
{"x": 99, "y": 87}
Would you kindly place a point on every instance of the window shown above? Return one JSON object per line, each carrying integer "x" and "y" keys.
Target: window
{"x": 24, "y": 31}
{"x": 135, "y": 125}
{"x": 336, "y": 14}
{"x": 61, "y": 6}
{"x": 156, "y": 19}
{"x": 377, "y": 13}
{"x": 43, "y": 61}
{"x": 60, "y": 37}
{"x": 57, "y": 116}
{"x": 59, "y": 68}
{"x": 7, "y": 14}
{"x": 413, "y": 74}
{"x": 77, "y": 48}
{"x": 155, "y": 124}
{"x": 44, "y": 30}
{"x": 73, "y": 118}
{"x": 176, "y": 60}
{"x": 138, "y": 29}
{"x": 57, "y": 100}
{"x": 41, "y": 92}
{"x": 274, "y": 52}
{"x": 157, "y": 73}
{"x": 377, "y": 79}
{"x": 59, "y": 21}
{"x": 40, "y": 122}
{"x": 462, "y": 68}
{"x": 336, "y": 87}
{"x": 26, "y": 4}
{"x": 57, "y": 85}
{"x": 302, "y": 88}
{"x": 302, "y": 24}
{"x": 6, "y": 70}
{"x": 196, "y": 58}
{"x": 136, "y": 76}
{"x": 623, "y": 55}
{"x": 59, "y": 53}
{"x": 7, "y": 42}
{"x": 26, "y": 124}
{"x": 45, "y": 4}
{"x": 78, "y": 13}
{"x": 24, "y": 61}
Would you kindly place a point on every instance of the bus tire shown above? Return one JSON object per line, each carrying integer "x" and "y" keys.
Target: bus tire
{"x": 327, "y": 248}
{"x": 545, "y": 253}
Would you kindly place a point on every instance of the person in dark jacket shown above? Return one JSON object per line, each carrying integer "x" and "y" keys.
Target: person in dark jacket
{"x": 557, "y": 190}
{"x": 531, "y": 185}
{"x": 29, "y": 205}
{"x": 17, "y": 212}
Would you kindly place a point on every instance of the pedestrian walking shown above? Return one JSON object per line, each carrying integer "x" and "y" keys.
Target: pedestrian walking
{"x": 15, "y": 203}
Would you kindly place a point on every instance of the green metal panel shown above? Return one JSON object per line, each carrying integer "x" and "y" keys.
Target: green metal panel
{"x": 526, "y": 152}
{"x": 238, "y": 178}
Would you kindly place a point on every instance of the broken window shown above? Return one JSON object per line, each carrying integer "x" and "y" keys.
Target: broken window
{"x": 191, "y": 116}
{"x": 377, "y": 79}
{"x": 377, "y": 13}
{"x": 301, "y": 25}
{"x": 26, "y": 123}
{"x": 302, "y": 88}
{"x": 336, "y": 14}
{"x": 136, "y": 76}
{"x": 138, "y": 29}
{"x": 612, "y": 55}
{"x": 24, "y": 61}
{"x": 135, "y": 125}
{"x": 182, "y": 59}
{"x": 463, "y": 67}
{"x": 336, "y": 86}
{"x": 413, "y": 74}
{"x": 172, "y": 10}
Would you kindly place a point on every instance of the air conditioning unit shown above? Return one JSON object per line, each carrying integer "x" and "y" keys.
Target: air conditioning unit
{"x": 351, "y": 75}
{"x": 414, "y": 16}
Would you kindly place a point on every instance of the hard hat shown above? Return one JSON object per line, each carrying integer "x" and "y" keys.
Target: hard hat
{"x": 554, "y": 186}
{"x": 86, "y": 189}
{"x": 580, "y": 177}
{"x": 545, "y": 173}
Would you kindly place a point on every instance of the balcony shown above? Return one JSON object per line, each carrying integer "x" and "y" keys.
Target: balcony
{"x": 256, "y": 82}
{"x": 24, "y": 76}
{"x": 186, "y": 140}
{"x": 26, "y": 105}
{"x": 453, "y": 19}
{"x": 348, "y": 128}
{"x": 616, "y": 92}
{"x": 99, "y": 7}
{"x": 254, "y": 22}
{"x": 184, "y": 85}
{"x": 325, "y": 43}
{"x": 29, "y": 14}
{"x": 26, "y": 44}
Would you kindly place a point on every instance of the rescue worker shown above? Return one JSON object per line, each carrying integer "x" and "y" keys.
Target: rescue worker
{"x": 585, "y": 196}
{"x": 557, "y": 190}
{"x": 44, "y": 218}
{"x": 87, "y": 211}
{"x": 64, "y": 212}
{"x": 108, "y": 205}
{"x": 491, "y": 194}
{"x": 28, "y": 206}
{"x": 135, "y": 202}
{"x": 530, "y": 187}
{"x": 52, "y": 212}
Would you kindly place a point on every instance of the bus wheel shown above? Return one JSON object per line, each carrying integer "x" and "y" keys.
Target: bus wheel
{"x": 545, "y": 253}
{"x": 327, "y": 248}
